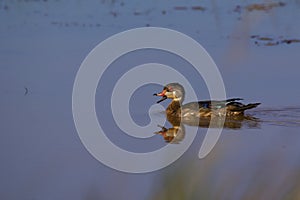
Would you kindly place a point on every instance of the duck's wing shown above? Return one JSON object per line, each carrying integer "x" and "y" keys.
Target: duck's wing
{"x": 234, "y": 99}
{"x": 217, "y": 104}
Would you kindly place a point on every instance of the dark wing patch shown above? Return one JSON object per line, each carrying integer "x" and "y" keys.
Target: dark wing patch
{"x": 204, "y": 104}
{"x": 218, "y": 104}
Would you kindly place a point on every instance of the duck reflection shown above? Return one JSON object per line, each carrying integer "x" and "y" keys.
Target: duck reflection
{"x": 172, "y": 135}
{"x": 176, "y": 133}
{"x": 206, "y": 114}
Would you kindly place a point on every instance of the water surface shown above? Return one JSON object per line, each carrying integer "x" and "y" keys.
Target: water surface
{"x": 42, "y": 46}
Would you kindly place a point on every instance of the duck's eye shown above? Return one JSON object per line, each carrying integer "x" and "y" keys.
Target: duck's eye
{"x": 167, "y": 89}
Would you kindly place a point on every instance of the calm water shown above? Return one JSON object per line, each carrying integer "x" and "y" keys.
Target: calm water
{"x": 42, "y": 46}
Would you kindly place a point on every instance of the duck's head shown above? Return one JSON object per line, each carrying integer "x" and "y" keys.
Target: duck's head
{"x": 173, "y": 91}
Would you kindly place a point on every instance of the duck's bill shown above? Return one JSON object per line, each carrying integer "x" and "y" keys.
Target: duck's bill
{"x": 164, "y": 97}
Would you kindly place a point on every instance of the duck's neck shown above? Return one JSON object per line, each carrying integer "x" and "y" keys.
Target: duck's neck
{"x": 174, "y": 108}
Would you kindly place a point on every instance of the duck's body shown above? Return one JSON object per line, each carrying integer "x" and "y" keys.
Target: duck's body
{"x": 229, "y": 107}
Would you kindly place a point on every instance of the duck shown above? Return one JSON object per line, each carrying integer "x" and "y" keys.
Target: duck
{"x": 202, "y": 109}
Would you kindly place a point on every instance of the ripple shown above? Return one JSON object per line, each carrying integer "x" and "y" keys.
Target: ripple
{"x": 282, "y": 116}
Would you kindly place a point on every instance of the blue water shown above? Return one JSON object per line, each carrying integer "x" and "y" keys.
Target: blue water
{"x": 42, "y": 46}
